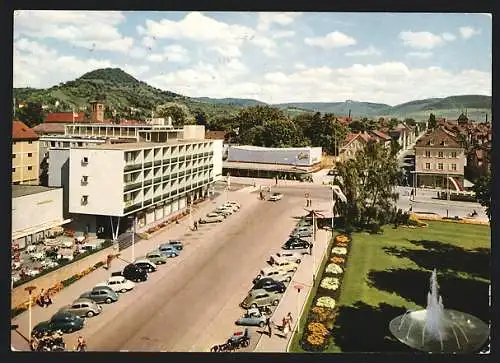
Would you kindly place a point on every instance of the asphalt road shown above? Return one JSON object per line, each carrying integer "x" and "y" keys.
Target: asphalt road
{"x": 193, "y": 305}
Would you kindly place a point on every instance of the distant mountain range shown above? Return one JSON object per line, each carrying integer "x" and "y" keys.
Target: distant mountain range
{"x": 123, "y": 92}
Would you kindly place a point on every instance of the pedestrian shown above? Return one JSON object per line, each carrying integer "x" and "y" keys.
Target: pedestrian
{"x": 81, "y": 345}
{"x": 285, "y": 327}
{"x": 268, "y": 324}
{"x": 310, "y": 249}
{"x": 195, "y": 225}
{"x": 254, "y": 184}
{"x": 108, "y": 261}
{"x": 46, "y": 299}
{"x": 40, "y": 299}
{"x": 290, "y": 320}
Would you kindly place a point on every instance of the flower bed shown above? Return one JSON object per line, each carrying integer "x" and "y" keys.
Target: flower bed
{"x": 321, "y": 316}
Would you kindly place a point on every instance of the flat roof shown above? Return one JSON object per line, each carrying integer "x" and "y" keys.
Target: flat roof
{"x": 267, "y": 167}
{"x": 23, "y": 190}
{"x": 263, "y": 148}
{"x": 143, "y": 145}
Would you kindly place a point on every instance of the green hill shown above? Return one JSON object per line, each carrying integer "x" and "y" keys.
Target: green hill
{"x": 121, "y": 91}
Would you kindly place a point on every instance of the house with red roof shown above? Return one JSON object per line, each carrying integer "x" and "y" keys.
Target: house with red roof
{"x": 25, "y": 154}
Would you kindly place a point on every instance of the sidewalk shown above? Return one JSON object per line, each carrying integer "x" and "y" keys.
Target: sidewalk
{"x": 292, "y": 301}
{"x": 70, "y": 293}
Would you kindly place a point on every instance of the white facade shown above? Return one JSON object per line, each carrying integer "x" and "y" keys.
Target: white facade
{"x": 35, "y": 212}
{"x": 304, "y": 156}
{"x": 121, "y": 179}
{"x": 218, "y": 152}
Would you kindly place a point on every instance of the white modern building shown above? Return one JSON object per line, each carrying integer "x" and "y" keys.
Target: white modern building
{"x": 36, "y": 210}
{"x": 148, "y": 181}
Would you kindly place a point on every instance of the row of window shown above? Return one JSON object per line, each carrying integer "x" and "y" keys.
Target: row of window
{"x": 15, "y": 142}
{"x": 440, "y": 154}
{"x": 29, "y": 155}
{"x": 440, "y": 166}
{"x": 29, "y": 168}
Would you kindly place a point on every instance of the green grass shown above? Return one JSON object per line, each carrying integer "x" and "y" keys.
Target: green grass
{"x": 367, "y": 255}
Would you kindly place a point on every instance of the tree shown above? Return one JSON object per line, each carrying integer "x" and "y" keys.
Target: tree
{"x": 482, "y": 188}
{"x": 200, "y": 117}
{"x": 177, "y": 114}
{"x": 368, "y": 180}
{"x": 410, "y": 122}
{"x": 357, "y": 126}
{"x": 432, "y": 121}
{"x": 280, "y": 133}
{"x": 393, "y": 122}
{"x": 462, "y": 118}
{"x": 31, "y": 114}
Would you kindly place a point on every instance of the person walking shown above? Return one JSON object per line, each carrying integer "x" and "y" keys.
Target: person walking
{"x": 40, "y": 299}
{"x": 268, "y": 324}
{"x": 195, "y": 225}
{"x": 81, "y": 345}
{"x": 46, "y": 299}
{"x": 285, "y": 326}
{"x": 310, "y": 249}
{"x": 290, "y": 320}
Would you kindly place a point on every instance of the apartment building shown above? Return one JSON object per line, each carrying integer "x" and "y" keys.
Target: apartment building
{"x": 146, "y": 180}
{"x": 25, "y": 150}
{"x": 439, "y": 160}
{"x": 352, "y": 144}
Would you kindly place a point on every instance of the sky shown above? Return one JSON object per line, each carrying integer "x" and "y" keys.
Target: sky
{"x": 274, "y": 57}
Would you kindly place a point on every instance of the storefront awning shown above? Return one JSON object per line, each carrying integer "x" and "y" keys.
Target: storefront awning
{"x": 35, "y": 229}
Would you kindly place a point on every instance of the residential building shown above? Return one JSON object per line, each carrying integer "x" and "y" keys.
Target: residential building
{"x": 404, "y": 135}
{"x": 25, "y": 154}
{"x": 352, "y": 144}
{"x": 36, "y": 210}
{"x": 149, "y": 181}
{"x": 439, "y": 160}
{"x": 381, "y": 137}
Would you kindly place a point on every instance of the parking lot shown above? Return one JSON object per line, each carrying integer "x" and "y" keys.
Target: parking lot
{"x": 192, "y": 302}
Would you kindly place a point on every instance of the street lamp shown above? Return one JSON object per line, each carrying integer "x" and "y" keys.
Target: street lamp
{"x": 29, "y": 289}
{"x": 133, "y": 237}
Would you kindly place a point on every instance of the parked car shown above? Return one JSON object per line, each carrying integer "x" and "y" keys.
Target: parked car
{"x": 301, "y": 233}
{"x": 176, "y": 243}
{"x": 168, "y": 251}
{"x": 287, "y": 255}
{"x": 285, "y": 265}
{"x": 274, "y": 273}
{"x": 332, "y": 172}
{"x": 101, "y": 294}
{"x": 211, "y": 218}
{"x": 66, "y": 322}
{"x": 231, "y": 207}
{"x": 260, "y": 297}
{"x": 275, "y": 197}
{"x": 232, "y": 202}
{"x": 134, "y": 273}
{"x": 145, "y": 265}
{"x": 156, "y": 257}
{"x": 221, "y": 211}
{"x": 296, "y": 244}
{"x": 269, "y": 284}
{"x": 253, "y": 317}
{"x": 118, "y": 284}
{"x": 83, "y": 307}
{"x": 225, "y": 209}
{"x": 88, "y": 246}
{"x": 37, "y": 256}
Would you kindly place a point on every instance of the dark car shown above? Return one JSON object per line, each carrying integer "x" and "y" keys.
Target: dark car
{"x": 134, "y": 273}
{"x": 64, "y": 321}
{"x": 101, "y": 294}
{"x": 269, "y": 284}
{"x": 176, "y": 243}
{"x": 295, "y": 244}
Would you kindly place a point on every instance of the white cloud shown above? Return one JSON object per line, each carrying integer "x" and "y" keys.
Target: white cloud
{"x": 300, "y": 66}
{"x": 448, "y": 37}
{"x": 371, "y": 50}
{"x": 172, "y": 53}
{"x": 332, "y": 40}
{"x": 421, "y": 40}
{"x": 267, "y": 19}
{"x": 36, "y": 65}
{"x": 283, "y": 34}
{"x": 95, "y": 30}
{"x": 422, "y": 55}
{"x": 148, "y": 42}
{"x": 226, "y": 39}
{"x": 467, "y": 32}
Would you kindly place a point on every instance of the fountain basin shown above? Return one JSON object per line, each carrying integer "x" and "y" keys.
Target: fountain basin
{"x": 459, "y": 332}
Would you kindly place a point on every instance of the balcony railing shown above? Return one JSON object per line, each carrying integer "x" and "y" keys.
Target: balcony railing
{"x": 132, "y": 185}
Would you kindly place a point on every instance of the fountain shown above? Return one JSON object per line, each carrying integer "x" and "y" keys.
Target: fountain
{"x": 439, "y": 330}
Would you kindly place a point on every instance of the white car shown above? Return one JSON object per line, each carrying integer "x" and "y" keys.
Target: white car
{"x": 287, "y": 255}
{"x": 67, "y": 244}
{"x": 275, "y": 273}
{"x": 38, "y": 256}
{"x": 232, "y": 202}
{"x": 118, "y": 284}
{"x": 32, "y": 272}
{"x": 230, "y": 207}
{"x": 227, "y": 210}
{"x": 275, "y": 197}
{"x": 49, "y": 264}
{"x": 285, "y": 265}
{"x": 31, "y": 249}
{"x": 212, "y": 218}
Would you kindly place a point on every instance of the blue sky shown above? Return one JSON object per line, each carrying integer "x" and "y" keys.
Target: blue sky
{"x": 273, "y": 57}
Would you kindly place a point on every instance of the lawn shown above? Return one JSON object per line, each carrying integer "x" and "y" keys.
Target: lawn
{"x": 389, "y": 273}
